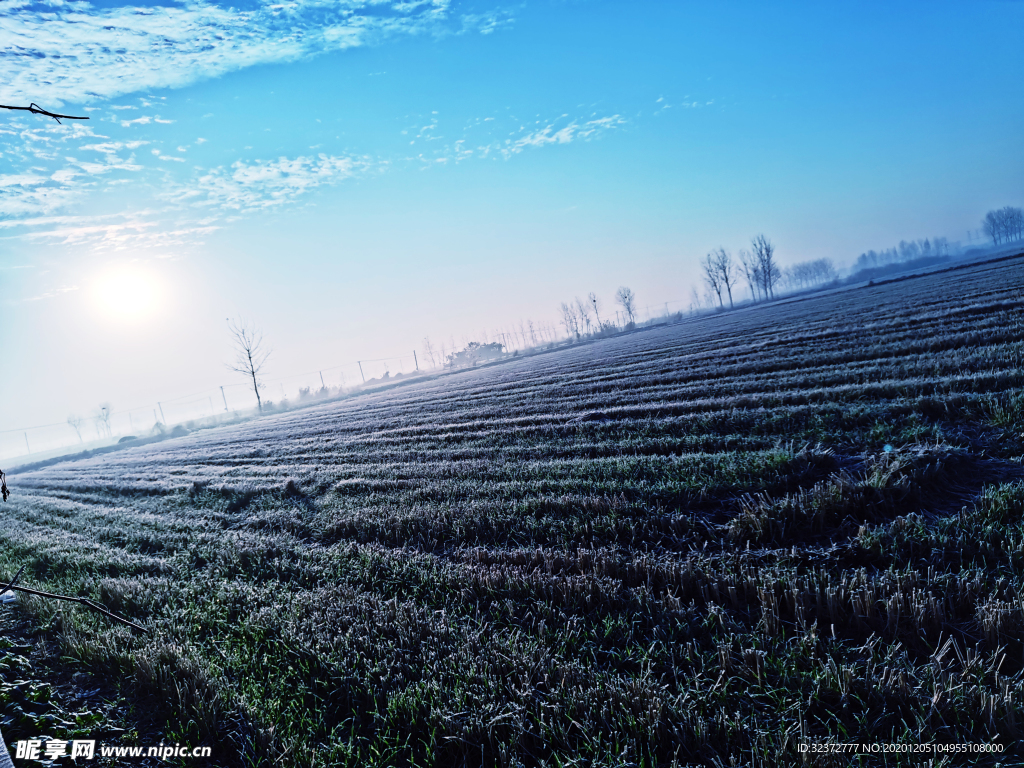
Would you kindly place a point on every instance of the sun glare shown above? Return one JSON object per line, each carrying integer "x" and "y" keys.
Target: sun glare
{"x": 126, "y": 293}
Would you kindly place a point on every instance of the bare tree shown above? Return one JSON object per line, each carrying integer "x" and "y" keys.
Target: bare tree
{"x": 721, "y": 261}
{"x": 695, "y": 304}
{"x": 1014, "y": 223}
{"x": 250, "y": 353}
{"x": 592, "y": 298}
{"x": 75, "y": 422}
{"x": 751, "y": 273}
{"x": 584, "y": 313}
{"x": 428, "y": 350}
{"x": 103, "y": 419}
{"x": 570, "y": 320}
{"x": 809, "y": 274}
{"x": 627, "y": 300}
{"x": 764, "y": 255}
{"x": 992, "y": 227}
{"x": 727, "y": 268}
{"x": 1004, "y": 225}
{"x": 712, "y": 278}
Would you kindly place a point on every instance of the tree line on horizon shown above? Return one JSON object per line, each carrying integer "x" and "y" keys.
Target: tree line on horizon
{"x": 1005, "y": 225}
{"x": 723, "y": 276}
{"x": 758, "y": 267}
{"x": 906, "y": 251}
{"x": 583, "y": 318}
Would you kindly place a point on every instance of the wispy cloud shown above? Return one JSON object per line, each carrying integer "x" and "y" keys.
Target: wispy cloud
{"x": 33, "y": 200}
{"x": 255, "y": 185}
{"x": 136, "y": 230}
{"x": 41, "y": 177}
{"x": 541, "y": 133}
{"x": 109, "y": 147}
{"x": 77, "y": 52}
{"x": 486, "y": 23}
{"x": 553, "y": 133}
{"x": 161, "y": 156}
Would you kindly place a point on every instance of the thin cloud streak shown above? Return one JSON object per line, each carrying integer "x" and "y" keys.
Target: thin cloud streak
{"x": 550, "y": 134}
{"x": 553, "y": 132}
{"x": 258, "y": 185}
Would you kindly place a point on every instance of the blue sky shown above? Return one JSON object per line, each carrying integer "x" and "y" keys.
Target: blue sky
{"x": 355, "y": 176}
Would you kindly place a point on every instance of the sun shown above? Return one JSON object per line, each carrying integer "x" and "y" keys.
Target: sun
{"x": 126, "y": 293}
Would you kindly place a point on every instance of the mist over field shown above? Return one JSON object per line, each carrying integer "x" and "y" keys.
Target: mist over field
{"x": 542, "y": 384}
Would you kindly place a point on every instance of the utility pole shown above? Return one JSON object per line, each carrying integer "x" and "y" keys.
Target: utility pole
{"x": 131, "y": 421}
{"x": 162, "y": 418}
{"x": 361, "y": 370}
{"x": 416, "y": 359}
{"x": 322, "y": 385}
{"x": 27, "y": 449}
{"x": 225, "y": 399}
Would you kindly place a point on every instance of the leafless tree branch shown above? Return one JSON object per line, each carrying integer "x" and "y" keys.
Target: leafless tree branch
{"x": 251, "y": 355}
{"x": 627, "y": 299}
{"x": 35, "y": 109}
{"x": 81, "y": 601}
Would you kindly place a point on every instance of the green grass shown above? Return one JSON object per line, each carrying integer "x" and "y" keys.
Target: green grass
{"x": 702, "y": 544}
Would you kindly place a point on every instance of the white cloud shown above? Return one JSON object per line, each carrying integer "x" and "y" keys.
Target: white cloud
{"x": 21, "y": 180}
{"x": 47, "y": 221}
{"x": 553, "y": 132}
{"x": 486, "y": 23}
{"x": 63, "y": 176}
{"x": 112, "y": 163}
{"x": 76, "y": 52}
{"x": 550, "y": 134}
{"x": 42, "y": 180}
{"x": 259, "y": 185}
{"x": 145, "y": 229}
{"x": 23, "y": 200}
{"x": 109, "y": 147}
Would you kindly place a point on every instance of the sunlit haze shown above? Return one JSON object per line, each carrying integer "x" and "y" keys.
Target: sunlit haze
{"x": 127, "y": 295}
{"x": 353, "y": 178}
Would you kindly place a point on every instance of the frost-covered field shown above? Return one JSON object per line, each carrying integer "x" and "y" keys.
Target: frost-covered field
{"x": 705, "y": 541}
